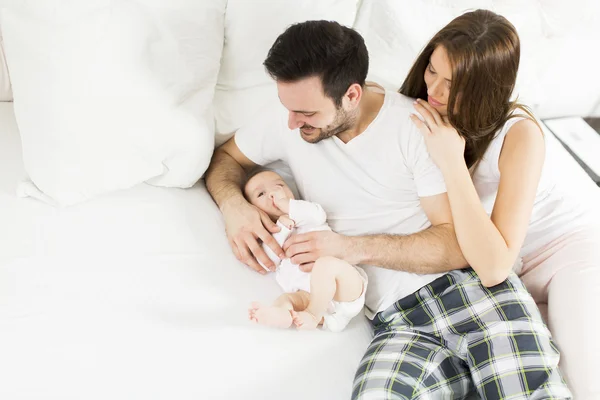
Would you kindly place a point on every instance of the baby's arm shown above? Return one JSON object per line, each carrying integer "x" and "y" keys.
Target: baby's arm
{"x": 280, "y": 237}
{"x": 287, "y": 221}
{"x": 307, "y": 213}
{"x": 286, "y": 224}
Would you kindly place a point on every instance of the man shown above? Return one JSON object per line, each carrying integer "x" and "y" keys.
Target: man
{"x": 439, "y": 330}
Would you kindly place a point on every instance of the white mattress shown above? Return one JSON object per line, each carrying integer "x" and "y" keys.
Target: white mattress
{"x": 136, "y": 295}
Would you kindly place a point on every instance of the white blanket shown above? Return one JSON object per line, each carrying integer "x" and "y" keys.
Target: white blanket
{"x": 136, "y": 295}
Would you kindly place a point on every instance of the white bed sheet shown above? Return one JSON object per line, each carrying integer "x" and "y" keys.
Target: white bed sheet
{"x": 136, "y": 295}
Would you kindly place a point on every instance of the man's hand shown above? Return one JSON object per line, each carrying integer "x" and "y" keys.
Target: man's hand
{"x": 304, "y": 249}
{"x": 244, "y": 224}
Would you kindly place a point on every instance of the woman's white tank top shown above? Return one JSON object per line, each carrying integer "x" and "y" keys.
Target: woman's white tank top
{"x": 555, "y": 212}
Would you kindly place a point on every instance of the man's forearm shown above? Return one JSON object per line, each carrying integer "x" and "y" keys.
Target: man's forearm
{"x": 430, "y": 251}
{"x": 224, "y": 178}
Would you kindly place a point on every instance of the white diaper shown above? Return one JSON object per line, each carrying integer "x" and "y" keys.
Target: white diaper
{"x": 291, "y": 278}
{"x": 339, "y": 314}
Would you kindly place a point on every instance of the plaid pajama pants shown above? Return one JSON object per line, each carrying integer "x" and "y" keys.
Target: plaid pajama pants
{"x": 455, "y": 336}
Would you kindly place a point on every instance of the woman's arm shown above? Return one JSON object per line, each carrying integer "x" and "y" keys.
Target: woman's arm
{"x": 491, "y": 245}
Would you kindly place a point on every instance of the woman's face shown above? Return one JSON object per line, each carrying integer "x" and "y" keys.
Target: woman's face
{"x": 438, "y": 78}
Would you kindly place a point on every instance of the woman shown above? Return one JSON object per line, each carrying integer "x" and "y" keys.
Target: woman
{"x": 505, "y": 205}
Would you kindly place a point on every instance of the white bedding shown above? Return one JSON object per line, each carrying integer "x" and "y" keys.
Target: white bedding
{"x": 136, "y": 295}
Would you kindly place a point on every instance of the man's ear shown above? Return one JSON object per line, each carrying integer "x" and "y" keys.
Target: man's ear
{"x": 353, "y": 95}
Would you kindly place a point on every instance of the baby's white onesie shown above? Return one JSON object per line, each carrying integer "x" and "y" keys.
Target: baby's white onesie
{"x": 310, "y": 217}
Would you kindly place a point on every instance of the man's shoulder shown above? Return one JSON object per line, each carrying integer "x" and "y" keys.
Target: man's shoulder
{"x": 261, "y": 138}
{"x": 396, "y": 113}
{"x": 401, "y": 102}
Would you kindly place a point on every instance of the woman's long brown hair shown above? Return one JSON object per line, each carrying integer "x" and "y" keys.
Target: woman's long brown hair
{"x": 484, "y": 52}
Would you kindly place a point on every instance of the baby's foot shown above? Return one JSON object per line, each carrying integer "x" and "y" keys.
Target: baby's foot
{"x": 275, "y": 317}
{"x": 305, "y": 320}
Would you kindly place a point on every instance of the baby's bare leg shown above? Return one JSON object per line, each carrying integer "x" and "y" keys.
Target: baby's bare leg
{"x": 331, "y": 279}
{"x": 279, "y": 315}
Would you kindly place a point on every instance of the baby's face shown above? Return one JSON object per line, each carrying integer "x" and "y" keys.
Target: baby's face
{"x": 265, "y": 187}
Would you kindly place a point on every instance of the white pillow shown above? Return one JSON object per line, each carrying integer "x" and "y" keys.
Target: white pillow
{"x": 396, "y": 32}
{"x": 92, "y": 113}
{"x": 197, "y": 30}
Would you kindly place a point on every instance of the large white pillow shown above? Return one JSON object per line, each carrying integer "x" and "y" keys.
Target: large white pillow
{"x": 396, "y": 32}
{"x": 197, "y": 29}
{"x": 555, "y": 40}
{"x": 93, "y": 115}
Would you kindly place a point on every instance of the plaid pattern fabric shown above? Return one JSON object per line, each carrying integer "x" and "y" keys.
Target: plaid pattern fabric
{"x": 455, "y": 336}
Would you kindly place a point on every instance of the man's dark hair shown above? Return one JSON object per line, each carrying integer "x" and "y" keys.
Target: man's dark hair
{"x": 335, "y": 53}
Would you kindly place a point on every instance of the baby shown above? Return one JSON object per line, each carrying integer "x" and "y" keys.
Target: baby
{"x": 332, "y": 294}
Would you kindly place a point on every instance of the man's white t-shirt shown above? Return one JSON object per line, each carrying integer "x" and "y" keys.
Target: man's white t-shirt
{"x": 370, "y": 185}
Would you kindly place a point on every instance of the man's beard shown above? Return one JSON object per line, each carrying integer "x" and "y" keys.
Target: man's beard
{"x": 343, "y": 121}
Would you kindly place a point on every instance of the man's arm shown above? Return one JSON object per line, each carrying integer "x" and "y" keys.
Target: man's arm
{"x": 430, "y": 251}
{"x": 244, "y": 223}
{"x": 226, "y": 173}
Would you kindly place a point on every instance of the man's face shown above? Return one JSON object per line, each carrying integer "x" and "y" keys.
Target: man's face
{"x": 312, "y": 111}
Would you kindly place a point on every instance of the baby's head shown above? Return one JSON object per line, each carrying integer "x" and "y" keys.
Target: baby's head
{"x": 262, "y": 187}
